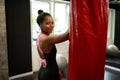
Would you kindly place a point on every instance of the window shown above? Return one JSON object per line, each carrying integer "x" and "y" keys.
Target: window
{"x": 35, "y": 6}
{"x": 61, "y": 17}
{"x": 111, "y": 24}
{"x": 59, "y": 11}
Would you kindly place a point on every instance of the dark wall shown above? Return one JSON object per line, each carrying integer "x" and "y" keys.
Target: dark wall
{"x": 18, "y": 36}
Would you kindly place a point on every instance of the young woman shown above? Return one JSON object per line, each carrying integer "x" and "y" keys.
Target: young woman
{"x": 46, "y": 47}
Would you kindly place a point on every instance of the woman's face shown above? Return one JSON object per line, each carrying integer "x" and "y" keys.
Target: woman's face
{"x": 47, "y": 25}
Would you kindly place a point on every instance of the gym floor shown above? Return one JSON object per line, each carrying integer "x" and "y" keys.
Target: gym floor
{"x": 112, "y": 74}
{"x": 109, "y": 75}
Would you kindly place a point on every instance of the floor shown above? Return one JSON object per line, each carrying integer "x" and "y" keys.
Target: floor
{"x": 109, "y": 75}
{"x": 35, "y": 76}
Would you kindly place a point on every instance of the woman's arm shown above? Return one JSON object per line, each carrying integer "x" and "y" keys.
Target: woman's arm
{"x": 48, "y": 41}
{"x": 53, "y": 39}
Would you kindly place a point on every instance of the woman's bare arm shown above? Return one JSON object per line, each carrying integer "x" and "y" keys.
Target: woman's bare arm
{"x": 48, "y": 41}
{"x": 53, "y": 39}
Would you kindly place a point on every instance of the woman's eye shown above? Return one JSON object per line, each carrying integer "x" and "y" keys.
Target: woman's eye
{"x": 47, "y": 23}
{"x": 52, "y": 22}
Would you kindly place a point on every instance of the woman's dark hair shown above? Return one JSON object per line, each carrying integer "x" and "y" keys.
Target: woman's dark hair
{"x": 41, "y": 16}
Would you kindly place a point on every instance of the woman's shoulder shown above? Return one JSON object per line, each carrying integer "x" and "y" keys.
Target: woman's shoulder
{"x": 43, "y": 35}
{"x": 40, "y": 36}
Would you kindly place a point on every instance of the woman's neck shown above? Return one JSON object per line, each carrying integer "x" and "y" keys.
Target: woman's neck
{"x": 44, "y": 33}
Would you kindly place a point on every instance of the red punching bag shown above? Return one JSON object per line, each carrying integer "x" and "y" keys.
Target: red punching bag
{"x": 88, "y": 34}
